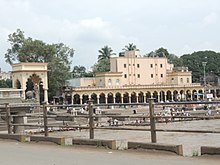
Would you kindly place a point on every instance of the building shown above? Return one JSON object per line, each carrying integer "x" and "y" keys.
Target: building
{"x": 133, "y": 79}
{"x": 32, "y": 73}
{"x": 5, "y": 75}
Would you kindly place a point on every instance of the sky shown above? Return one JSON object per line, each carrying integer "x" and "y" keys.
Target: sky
{"x": 180, "y": 26}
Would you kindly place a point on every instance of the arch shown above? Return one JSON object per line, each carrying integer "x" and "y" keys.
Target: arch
{"x": 188, "y": 95}
{"x": 182, "y": 95}
{"x": 148, "y": 95}
{"x": 133, "y": 97}
{"x": 17, "y": 84}
{"x": 110, "y": 98}
{"x": 141, "y": 97}
{"x": 85, "y": 99}
{"x": 169, "y": 96}
{"x": 155, "y": 95}
{"x": 76, "y": 99}
{"x": 175, "y": 95}
{"x": 194, "y": 95}
{"x": 200, "y": 95}
{"x": 94, "y": 98}
{"x": 125, "y": 97}
{"x": 162, "y": 96}
{"x": 118, "y": 97}
{"x": 102, "y": 98}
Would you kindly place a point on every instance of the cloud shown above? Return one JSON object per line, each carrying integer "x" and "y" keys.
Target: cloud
{"x": 210, "y": 19}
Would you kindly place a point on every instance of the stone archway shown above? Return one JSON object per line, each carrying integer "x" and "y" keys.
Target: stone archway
{"x": 37, "y": 72}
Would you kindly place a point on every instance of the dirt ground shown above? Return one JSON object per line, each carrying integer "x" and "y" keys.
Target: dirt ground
{"x": 191, "y": 141}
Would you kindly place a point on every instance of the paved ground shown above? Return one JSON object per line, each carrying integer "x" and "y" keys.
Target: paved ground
{"x": 14, "y": 153}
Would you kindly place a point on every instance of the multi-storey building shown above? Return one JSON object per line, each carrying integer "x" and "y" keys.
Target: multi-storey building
{"x": 5, "y": 75}
{"x": 133, "y": 78}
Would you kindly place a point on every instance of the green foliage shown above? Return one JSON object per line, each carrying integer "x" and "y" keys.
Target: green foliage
{"x": 103, "y": 64}
{"x": 6, "y": 83}
{"x": 130, "y": 47}
{"x": 105, "y": 53}
{"x": 194, "y": 63}
{"x": 80, "y": 71}
{"x": 58, "y": 57}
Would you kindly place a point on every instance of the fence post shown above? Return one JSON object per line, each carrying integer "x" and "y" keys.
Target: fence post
{"x": 45, "y": 119}
{"x": 8, "y": 118}
{"x": 91, "y": 120}
{"x": 152, "y": 121}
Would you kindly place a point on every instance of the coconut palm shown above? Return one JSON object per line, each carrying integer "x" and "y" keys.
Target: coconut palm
{"x": 105, "y": 53}
{"x": 130, "y": 47}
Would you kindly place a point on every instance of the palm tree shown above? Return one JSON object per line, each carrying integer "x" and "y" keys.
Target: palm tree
{"x": 105, "y": 53}
{"x": 130, "y": 47}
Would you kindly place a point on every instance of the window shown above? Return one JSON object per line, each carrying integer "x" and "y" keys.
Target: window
{"x": 124, "y": 65}
{"x": 161, "y": 75}
{"x": 109, "y": 82}
{"x": 134, "y": 75}
{"x": 161, "y": 65}
{"x": 130, "y": 75}
{"x": 181, "y": 80}
{"x": 187, "y": 80}
{"x": 133, "y": 64}
{"x": 138, "y": 65}
{"x": 151, "y": 65}
{"x": 139, "y": 76}
{"x": 129, "y": 64}
{"x": 152, "y": 76}
{"x": 117, "y": 82}
{"x": 100, "y": 82}
{"x": 125, "y": 75}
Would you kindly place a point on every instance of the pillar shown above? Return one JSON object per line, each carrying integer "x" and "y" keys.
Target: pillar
{"x": 45, "y": 96}
{"x": 19, "y": 120}
{"x": 80, "y": 99}
{"x": 97, "y": 99}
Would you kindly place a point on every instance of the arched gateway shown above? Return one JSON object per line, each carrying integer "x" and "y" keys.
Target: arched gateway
{"x": 32, "y": 78}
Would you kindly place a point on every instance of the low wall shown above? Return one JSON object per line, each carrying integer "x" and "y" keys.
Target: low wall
{"x": 60, "y": 141}
{"x": 178, "y": 149}
{"x": 210, "y": 150}
{"x": 112, "y": 144}
{"x": 20, "y": 138}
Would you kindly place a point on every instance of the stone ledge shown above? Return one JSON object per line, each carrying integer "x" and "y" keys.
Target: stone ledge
{"x": 21, "y": 138}
{"x": 112, "y": 144}
{"x": 178, "y": 149}
{"x": 210, "y": 150}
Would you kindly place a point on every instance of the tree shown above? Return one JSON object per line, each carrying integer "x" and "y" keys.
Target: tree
{"x": 103, "y": 64}
{"x": 80, "y": 71}
{"x": 130, "y": 47}
{"x": 194, "y": 63}
{"x": 6, "y": 83}
{"x": 29, "y": 50}
{"x": 105, "y": 53}
{"x": 162, "y": 52}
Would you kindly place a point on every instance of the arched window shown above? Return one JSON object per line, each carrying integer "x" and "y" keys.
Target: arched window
{"x": 109, "y": 82}
{"x": 117, "y": 82}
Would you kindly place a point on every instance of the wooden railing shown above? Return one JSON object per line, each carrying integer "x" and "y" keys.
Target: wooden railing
{"x": 91, "y": 126}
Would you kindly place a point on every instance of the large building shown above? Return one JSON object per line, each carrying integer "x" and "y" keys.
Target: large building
{"x": 5, "y": 75}
{"x": 132, "y": 79}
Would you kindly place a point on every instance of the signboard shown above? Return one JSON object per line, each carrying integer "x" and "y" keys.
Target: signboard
{"x": 209, "y": 96}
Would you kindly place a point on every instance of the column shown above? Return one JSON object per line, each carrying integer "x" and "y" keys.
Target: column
{"x": 45, "y": 96}
{"x": 165, "y": 98}
{"x": 145, "y": 99}
{"x": 137, "y": 99}
{"x": 158, "y": 95}
{"x": 129, "y": 98}
{"x": 19, "y": 120}
{"x": 80, "y": 99}
{"x": 106, "y": 99}
{"x": 97, "y": 99}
